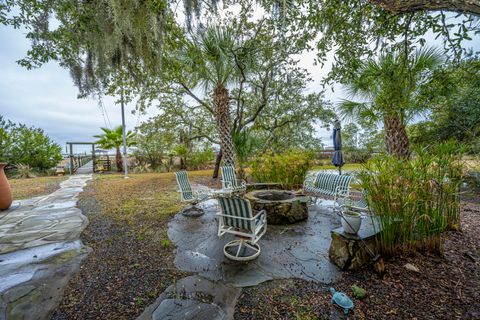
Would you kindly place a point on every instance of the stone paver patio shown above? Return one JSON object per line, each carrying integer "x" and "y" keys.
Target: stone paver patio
{"x": 288, "y": 251}
{"x": 40, "y": 250}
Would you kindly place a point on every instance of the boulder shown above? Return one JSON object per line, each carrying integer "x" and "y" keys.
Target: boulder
{"x": 348, "y": 252}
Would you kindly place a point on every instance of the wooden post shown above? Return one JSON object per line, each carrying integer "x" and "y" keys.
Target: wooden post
{"x": 71, "y": 158}
{"x": 93, "y": 157}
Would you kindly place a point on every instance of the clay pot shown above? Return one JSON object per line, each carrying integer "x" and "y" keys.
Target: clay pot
{"x": 5, "y": 191}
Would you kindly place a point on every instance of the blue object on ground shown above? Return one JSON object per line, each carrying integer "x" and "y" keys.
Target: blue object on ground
{"x": 342, "y": 300}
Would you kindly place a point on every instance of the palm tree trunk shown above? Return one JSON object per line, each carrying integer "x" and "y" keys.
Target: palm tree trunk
{"x": 118, "y": 160}
{"x": 222, "y": 107}
{"x": 396, "y": 138}
{"x": 218, "y": 159}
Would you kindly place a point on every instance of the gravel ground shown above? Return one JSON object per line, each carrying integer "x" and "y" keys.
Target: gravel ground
{"x": 445, "y": 288}
{"x": 125, "y": 271}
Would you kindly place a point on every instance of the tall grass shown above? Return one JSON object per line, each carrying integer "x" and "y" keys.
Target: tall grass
{"x": 288, "y": 169}
{"x": 414, "y": 200}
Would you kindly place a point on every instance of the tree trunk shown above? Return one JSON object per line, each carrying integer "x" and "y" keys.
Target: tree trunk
{"x": 218, "y": 159}
{"x": 396, "y": 138}
{"x": 119, "y": 160}
{"x": 403, "y": 6}
{"x": 222, "y": 112}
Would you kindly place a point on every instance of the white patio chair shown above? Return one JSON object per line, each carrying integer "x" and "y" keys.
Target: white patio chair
{"x": 187, "y": 194}
{"x": 230, "y": 181}
{"x": 236, "y": 218}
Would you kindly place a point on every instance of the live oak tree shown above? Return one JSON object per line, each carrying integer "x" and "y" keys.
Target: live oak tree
{"x": 405, "y": 6}
{"x": 116, "y": 47}
{"x": 109, "y": 44}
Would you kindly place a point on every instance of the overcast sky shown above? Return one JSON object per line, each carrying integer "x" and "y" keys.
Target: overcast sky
{"x": 46, "y": 97}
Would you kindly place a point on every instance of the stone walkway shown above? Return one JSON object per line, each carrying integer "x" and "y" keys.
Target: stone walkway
{"x": 40, "y": 250}
{"x": 288, "y": 251}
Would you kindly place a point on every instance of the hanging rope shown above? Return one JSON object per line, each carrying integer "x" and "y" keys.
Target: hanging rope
{"x": 104, "y": 111}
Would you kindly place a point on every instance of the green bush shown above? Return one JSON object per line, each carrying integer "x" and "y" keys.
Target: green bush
{"x": 414, "y": 200}
{"x": 30, "y": 146}
{"x": 202, "y": 159}
{"x": 288, "y": 169}
{"x": 356, "y": 155}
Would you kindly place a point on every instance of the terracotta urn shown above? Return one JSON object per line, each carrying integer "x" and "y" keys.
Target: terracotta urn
{"x": 5, "y": 191}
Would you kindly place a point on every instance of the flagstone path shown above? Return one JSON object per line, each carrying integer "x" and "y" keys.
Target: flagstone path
{"x": 40, "y": 250}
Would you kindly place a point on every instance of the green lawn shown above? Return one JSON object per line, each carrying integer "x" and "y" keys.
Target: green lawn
{"x": 32, "y": 187}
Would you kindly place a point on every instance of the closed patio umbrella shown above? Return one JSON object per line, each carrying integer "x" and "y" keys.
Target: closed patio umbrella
{"x": 337, "y": 146}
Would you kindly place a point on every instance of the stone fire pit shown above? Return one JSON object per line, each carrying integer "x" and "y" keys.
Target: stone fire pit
{"x": 283, "y": 207}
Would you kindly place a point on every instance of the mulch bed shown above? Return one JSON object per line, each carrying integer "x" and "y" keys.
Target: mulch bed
{"x": 446, "y": 287}
{"x": 124, "y": 273}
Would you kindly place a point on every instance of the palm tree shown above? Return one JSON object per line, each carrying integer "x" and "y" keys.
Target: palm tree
{"x": 113, "y": 139}
{"x": 245, "y": 143}
{"x": 216, "y": 60}
{"x": 388, "y": 87}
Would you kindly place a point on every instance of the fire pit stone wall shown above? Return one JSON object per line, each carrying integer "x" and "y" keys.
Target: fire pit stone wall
{"x": 283, "y": 207}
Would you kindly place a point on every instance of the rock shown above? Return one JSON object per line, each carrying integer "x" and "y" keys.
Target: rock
{"x": 194, "y": 298}
{"x": 359, "y": 292}
{"x": 348, "y": 251}
{"x": 171, "y": 309}
{"x": 192, "y": 211}
{"x": 411, "y": 267}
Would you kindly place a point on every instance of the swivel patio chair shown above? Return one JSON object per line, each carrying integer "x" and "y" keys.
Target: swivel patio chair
{"x": 230, "y": 181}
{"x": 236, "y": 217}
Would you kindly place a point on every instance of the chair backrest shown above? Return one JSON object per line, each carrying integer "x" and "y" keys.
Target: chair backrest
{"x": 228, "y": 175}
{"x": 234, "y": 208}
{"x": 184, "y": 185}
{"x": 330, "y": 181}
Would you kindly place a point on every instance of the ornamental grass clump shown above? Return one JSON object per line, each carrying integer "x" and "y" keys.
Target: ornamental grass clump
{"x": 288, "y": 168}
{"x": 414, "y": 200}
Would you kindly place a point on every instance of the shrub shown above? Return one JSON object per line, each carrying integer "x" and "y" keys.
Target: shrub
{"x": 200, "y": 159}
{"x": 24, "y": 171}
{"x": 27, "y": 145}
{"x": 356, "y": 155}
{"x": 288, "y": 169}
{"x": 472, "y": 173}
{"x": 414, "y": 200}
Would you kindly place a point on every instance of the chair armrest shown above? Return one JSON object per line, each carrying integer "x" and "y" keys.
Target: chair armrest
{"x": 241, "y": 184}
{"x": 235, "y": 217}
{"x": 310, "y": 180}
{"x": 343, "y": 192}
{"x": 259, "y": 213}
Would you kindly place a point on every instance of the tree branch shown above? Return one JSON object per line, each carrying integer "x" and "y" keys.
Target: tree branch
{"x": 191, "y": 94}
{"x": 404, "y": 6}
